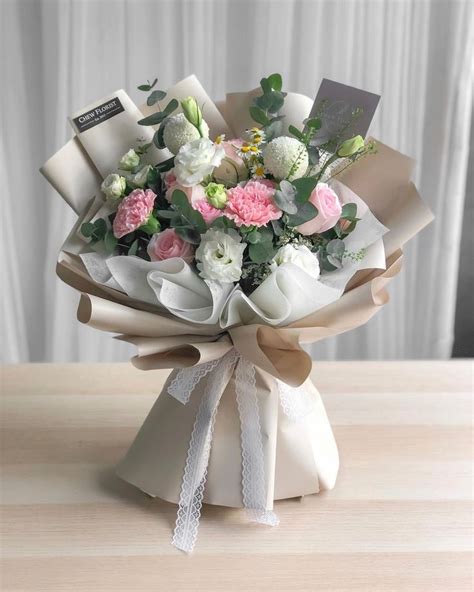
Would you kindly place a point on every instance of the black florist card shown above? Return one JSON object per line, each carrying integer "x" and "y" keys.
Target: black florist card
{"x": 344, "y": 111}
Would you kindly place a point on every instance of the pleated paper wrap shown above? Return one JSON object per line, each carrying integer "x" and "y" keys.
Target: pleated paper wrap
{"x": 298, "y": 454}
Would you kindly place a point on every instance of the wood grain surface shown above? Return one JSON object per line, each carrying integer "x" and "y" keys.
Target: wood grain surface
{"x": 400, "y": 518}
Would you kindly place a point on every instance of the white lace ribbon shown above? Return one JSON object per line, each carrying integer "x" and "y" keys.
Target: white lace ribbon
{"x": 295, "y": 404}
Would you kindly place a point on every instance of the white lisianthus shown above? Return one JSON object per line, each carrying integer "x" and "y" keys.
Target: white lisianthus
{"x": 286, "y": 158}
{"x": 138, "y": 179}
{"x": 300, "y": 256}
{"x": 179, "y": 131}
{"x": 129, "y": 161}
{"x": 196, "y": 160}
{"x": 113, "y": 186}
{"x": 220, "y": 255}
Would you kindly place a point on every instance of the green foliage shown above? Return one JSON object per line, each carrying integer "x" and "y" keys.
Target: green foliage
{"x": 265, "y": 108}
{"x": 96, "y": 230}
{"x": 151, "y": 227}
{"x": 148, "y": 86}
{"x": 189, "y": 217}
{"x": 304, "y": 187}
{"x": 306, "y": 212}
{"x": 156, "y": 95}
{"x": 110, "y": 242}
{"x": 349, "y": 212}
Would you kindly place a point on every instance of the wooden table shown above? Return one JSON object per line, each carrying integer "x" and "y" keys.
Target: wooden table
{"x": 399, "y": 518}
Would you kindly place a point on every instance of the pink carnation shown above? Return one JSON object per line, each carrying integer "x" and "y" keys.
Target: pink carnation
{"x": 133, "y": 211}
{"x": 251, "y": 205}
{"x": 209, "y": 213}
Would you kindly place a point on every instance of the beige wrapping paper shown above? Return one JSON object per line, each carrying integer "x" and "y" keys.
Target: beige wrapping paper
{"x": 300, "y": 456}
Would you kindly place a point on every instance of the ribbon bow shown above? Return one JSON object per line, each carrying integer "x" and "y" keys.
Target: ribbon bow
{"x": 296, "y": 404}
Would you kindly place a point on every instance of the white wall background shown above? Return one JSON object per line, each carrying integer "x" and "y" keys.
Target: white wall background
{"x": 57, "y": 56}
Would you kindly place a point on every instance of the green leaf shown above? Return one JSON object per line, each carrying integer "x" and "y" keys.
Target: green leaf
{"x": 313, "y": 155}
{"x": 336, "y": 248}
{"x": 153, "y": 179}
{"x": 166, "y": 165}
{"x": 264, "y": 101}
{"x": 167, "y": 214}
{"x": 188, "y": 234}
{"x": 295, "y": 132}
{"x": 305, "y": 212}
{"x": 261, "y": 251}
{"x": 275, "y": 81}
{"x": 156, "y": 95}
{"x": 133, "y": 248}
{"x": 87, "y": 229}
{"x": 147, "y": 87}
{"x": 349, "y": 211}
{"x": 274, "y": 129}
{"x": 314, "y": 123}
{"x": 253, "y": 237}
{"x": 153, "y": 119}
{"x": 171, "y": 106}
{"x": 223, "y": 223}
{"x": 304, "y": 187}
{"x": 158, "y": 140}
{"x": 277, "y": 101}
{"x": 259, "y": 115}
{"x": 180, "y": 201}
{"x": 110, "y": 242}
{"x": 266, "y": 86}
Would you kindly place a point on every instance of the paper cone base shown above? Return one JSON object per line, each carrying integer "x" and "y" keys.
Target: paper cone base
{"x": 301, "y": 456}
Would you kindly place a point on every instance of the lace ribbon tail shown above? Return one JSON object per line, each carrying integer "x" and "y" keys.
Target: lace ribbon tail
{"x": 187, "y": 379}
{"x": 253, "y": 462}
{"x": 197, "y": 460}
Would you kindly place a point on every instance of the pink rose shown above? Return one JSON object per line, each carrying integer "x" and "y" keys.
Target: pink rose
{"x": 194, "y": 193}
{"x": 168, "y": 244}
{"x": 133, "y": 211}
{"x": 169, "y": 178}
{"x": 329, "y": 210}
{"x": 232, "y": 169}
{"x": 209, "y": 213}
{"x": 251, "y": 205}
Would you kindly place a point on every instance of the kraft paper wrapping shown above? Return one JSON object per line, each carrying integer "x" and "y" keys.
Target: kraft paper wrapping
{"x": 300, "y": 457}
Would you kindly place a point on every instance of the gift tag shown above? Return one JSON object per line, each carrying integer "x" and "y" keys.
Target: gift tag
{"x": 344, "y": 111}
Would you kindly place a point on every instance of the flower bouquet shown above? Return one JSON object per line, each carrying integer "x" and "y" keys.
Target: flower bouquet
{"x": 219, "y": 239}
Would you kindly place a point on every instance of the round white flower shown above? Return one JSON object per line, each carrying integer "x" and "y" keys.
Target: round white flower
{"x": 196, "y": 160}
{"x": 113, "y": 186}
{"x": 299, "y": 255}
{"x": 220, "y": 255}
{"x": 286, "y": 158}
{"x": 179, "y": 131}
{"x": 129, "y": 161}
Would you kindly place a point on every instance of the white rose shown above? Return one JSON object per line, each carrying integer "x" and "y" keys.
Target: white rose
{"x": 196, "y": 160}
{"x": 138, "y": 179}
{"x": 179, "y": 131}
{"x": 129, "y": 161}
{"x": 299, "y": 255}
{"x": 220, "y": 255}
{"x": 113, "y": 186}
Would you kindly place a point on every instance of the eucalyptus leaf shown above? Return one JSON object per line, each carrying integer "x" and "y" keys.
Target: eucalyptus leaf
{"x": 110, "y": 242}
{"x": 349, "y": 211}
{"x": 87, "y": 229}
{"x": 334, "y": 261}
{"x": 188, "y": 234}
{"x": 158, "y": 136}
{"x": 261, "y": 252}
{"x": 171, "y": 106}
{"x": 274, "y": 129}
{"x": 253, "y": 237}
{"x": 306, "y": 212}
{"x": 167, "y": 214}
{"x": 153, "y": 119}
{"x": 147, "y": 87}
{"x": 304, "y": 187}
{"x": 259, "y": 115}
{"x": 336, "y": 248}
{"x": 133, "y": 248}
{"x": 156, "y": 95}
{"x": 285, "y": 202}
{"x": 166, "y": 165}
{"x": 180, "y": 201}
